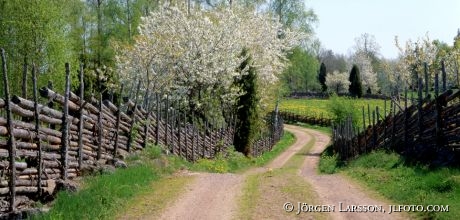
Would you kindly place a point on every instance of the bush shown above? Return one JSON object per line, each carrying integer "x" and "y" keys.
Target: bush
{"x": 341, "y": 108}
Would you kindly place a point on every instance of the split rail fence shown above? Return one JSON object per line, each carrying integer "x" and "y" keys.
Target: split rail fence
{"x": 427, "y": 131}
{"x": 44, "y": 142}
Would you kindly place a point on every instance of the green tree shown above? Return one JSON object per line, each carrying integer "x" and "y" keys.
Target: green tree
{"x": 300, "y": 75}
{"x": 322, "y": 76}
{"x": 37, "y": 32}
{"x": 248, "y": 111}
{"x": 293, "y": 14}
{"x": 356, "y": 88}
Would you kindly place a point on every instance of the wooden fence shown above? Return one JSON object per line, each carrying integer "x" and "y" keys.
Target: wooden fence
{"x": 427, "y": 131}
{"x": 44, "y": 142}
{"x": 302, "y": 117}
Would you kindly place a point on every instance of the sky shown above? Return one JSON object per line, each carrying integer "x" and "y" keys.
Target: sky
{"x": 341, "y": 21}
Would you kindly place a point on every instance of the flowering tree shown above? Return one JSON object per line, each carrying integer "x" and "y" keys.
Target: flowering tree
{"x": 194, "y": 58}
{"x": 368, "y": 76}
{"x": 413, "y": 55}
{"x": 337, "y": 82}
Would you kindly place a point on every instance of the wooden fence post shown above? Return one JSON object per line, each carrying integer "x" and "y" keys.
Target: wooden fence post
{"x": 117, "y": 123}
{"x": 179, "y": 131}
{"x": 364, "y": 121}
{"x": 133, "y": 119}
{"x": 425, "y": 68}
{"x": 204, "y": 137}
{"x": 438, "y": 112}
{"x": 406, "y": 123}
{"x": 37, "y": 131}
{"x": 374, "y": 133}
{"x": 11, "y": 142}
{"x": 65, "y": 125}
{"x": 100, "y": 129}
{"x": 186, "y": 134}
{"x": 369, "y": 114}
{"x": 157, "y": 131}
{"x": 172, "y": 123}
{"x": 193, "y": 136}
{"x": 81, "y": 118}
{"x": 393, "y": 128}
{"x": 444, "y": 76}
{"x": 420, "y": 110}
{"x": 50, "y": 104}
{"x": 146, "y": 128}
{"x": 166, "y": 121}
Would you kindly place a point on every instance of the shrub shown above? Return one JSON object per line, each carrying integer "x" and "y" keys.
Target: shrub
{"x": 342, "y": 108}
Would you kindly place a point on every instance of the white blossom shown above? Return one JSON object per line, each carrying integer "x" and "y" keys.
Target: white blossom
{"x": 337, "y": 82}
{"x": 179, "y": 53}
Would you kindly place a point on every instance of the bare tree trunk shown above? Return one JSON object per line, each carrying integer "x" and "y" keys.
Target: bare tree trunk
{"x": 99, "y": 32}
{"x": 24, "y": 78}
{"x": 128, "y": 13}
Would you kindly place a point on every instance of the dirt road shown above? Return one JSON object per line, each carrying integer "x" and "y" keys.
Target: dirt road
{"x": 337, "y": 191}
{"x": 215, "y": 196}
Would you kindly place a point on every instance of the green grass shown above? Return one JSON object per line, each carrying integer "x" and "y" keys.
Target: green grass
{"x": 282, "y": 183}
{"x": 237, "y": 162}
{"x": 102, "y": 196}
{"x": 320, "y": 107}
{"x": 388, "y": 174}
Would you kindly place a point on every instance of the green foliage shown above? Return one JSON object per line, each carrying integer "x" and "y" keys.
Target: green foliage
{"x": 300, "y": 75}
{"x": 236, "y": 161}
{"x": 356, "y": 88}
{"x": 248, "y": 110}
{"x": 329, "y": 162}
{"x": 293, "y": 14}
{"x": 320, "y": 107}
{"x": 102, "y": 195}
{"x": 36, "y": 32}
{"x": 388, "y": 174}
{"x": 322, "y": 76}
{"x": 153, "y": 151}
{"x": 341, "y": 108}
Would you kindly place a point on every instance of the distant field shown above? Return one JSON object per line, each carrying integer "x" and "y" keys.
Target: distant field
{"x": 319, "y": 107}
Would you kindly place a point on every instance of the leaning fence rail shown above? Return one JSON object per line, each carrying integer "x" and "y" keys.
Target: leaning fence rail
{"x": 426, "y": 131}
{"x": 44, "y": 142}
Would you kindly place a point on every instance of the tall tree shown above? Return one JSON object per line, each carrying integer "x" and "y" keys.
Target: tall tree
{"x": 248, "y": 109}
{"x": 37, "y": 32}
{"x": 367, "y": 74}
{"x": 333, "y": 62}
{"x": 293, "y": 14}
{"x": 300, "y": 74}
{"x": 198, "y": 65}
{"x": 322, "y": 76}
{"x": 355, "y": 86}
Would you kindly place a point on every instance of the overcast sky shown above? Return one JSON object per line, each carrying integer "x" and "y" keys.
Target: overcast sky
{"x": 341, "y": 21}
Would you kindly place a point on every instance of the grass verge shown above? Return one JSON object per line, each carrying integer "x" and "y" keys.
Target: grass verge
{"x": 103, "y": 196}
{"x": 279, "y": 186}
{"x": 237, "y": 162}
{"x": 404, "y": 184}
{"x": 148, "y": 180}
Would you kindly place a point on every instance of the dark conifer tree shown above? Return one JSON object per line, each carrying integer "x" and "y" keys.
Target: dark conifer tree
{"x": 322, "y": 76}
{"x": 356, "y": 88}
